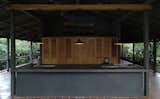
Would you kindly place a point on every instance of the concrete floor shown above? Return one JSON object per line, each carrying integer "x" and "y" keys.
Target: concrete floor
{"x": 155, "y": 86}
{"x": 5, "y": 85}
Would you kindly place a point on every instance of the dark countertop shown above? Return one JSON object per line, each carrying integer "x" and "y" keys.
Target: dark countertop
{"x": 89, "y": 66}
{"x": 82, "y": 68}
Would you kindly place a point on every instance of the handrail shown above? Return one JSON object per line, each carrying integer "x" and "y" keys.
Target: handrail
{"x": 4, "y": 62}
{"x": 22, "y": 57}
{"x": 3, "y": 59}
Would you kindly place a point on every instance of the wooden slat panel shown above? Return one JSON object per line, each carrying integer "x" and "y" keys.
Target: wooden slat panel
{"x": 50, "y": 59}
{"x": 45, "y": 51}
{"x": 99, "y": 50}
{"x": 68, "y": 51}
{"x": 83, "y": 52}
{"x": 113, "y": 48}
{"x": 106, "y": 45}
{"x": 62, "y": 50}
{"x": 110, "y": 47}
{"x": 68, "y": 48}
{"x": 53, "y": 50}
{"x": 99, "y": 47}
{"x": 90, "y": 51}
{"x": 102, "y": 51}
{"x": 75, "y": 59}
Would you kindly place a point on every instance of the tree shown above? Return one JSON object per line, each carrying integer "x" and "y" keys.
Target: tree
{"x": 22, "y": 49}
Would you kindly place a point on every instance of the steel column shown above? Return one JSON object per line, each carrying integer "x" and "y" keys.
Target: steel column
{"x": 133, "y": 57}
{"x": 40, "y": 53}
{"x": 122, "y": 51}
{"x": 12, "y": 36}
{"x": 146, "y": 51}
{"x": 8, "y": 54}
{"x": 154, "y": 55}
{"x": 31, "y": 52}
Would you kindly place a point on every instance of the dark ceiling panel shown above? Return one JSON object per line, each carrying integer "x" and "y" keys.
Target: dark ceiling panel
{"x": 52, "y": 24}
{"x": 53, "y": 21}
{"x": 22, "y": 23}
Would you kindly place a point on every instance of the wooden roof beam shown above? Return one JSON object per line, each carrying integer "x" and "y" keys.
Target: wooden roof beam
{"x": 90, "y": 7}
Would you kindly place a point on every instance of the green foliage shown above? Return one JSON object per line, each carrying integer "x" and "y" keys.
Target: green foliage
{"x": 128, "y": 50}
{"x": 158, "y": 49}
{"x": 3, "y": 48}
{"x": 138, "y": 51}
{"x": 22, "y": 50}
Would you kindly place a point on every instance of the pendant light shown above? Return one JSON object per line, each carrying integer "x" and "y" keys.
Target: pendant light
{"x": 39, "y": 42}
{"x": 79, "y": 42}
{"x": 118, "y": 44}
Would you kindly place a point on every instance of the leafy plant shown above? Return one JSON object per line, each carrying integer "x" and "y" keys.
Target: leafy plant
{"x": 22, "y": 50}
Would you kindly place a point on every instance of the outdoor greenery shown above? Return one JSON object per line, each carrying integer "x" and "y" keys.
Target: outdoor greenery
{"x": 139, "y": 53}
{"x": 22, "y": 51}
{"x": 3, "y": 48}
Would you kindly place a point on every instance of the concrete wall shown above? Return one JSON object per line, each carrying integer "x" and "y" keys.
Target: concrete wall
{"x": 128, "y": 84}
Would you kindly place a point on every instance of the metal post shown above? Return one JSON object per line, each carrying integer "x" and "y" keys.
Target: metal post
{"x": 146, "y": 51}
{"x": 8, "y": 54}
{"x": 12, "y": 36}
{"x": 31, "y": 53}
{"x": 122, "y": 57}
{"x": 40, "y": 53}
{"x": 154, "y": 55}
{"x": 133, "y": 57}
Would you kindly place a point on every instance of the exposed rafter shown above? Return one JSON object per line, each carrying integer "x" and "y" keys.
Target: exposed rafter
{"x": 33, "y": 17}
{"x": 22, "y": 26}
{"x": 91, "y": 7}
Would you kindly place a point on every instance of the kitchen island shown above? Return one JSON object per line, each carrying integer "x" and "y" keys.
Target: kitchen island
{"x": 94, "y": 80}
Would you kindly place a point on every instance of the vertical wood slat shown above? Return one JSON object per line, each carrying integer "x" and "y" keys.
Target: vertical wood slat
{"x": 114, "y": 50}
{"x": 68, "y": 48}
{"x": 50, "y": 51}
{"x": 99, "y": 47}
{"x": 106, "y": 45}
{"x": 68, "y": 51}
{"x": 90, "y": 48}
{"x": 53, "y": 50}
{"x": 62, "y": 50}
{"x": 99, "y": 50}
{"x": 45, "y": 51}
